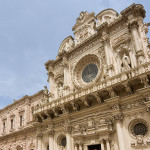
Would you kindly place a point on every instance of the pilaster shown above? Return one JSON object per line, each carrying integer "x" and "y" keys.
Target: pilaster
{"x": 118, "y": 121}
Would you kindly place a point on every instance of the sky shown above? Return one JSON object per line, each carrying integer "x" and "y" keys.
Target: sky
{"x": 31, "y": 32}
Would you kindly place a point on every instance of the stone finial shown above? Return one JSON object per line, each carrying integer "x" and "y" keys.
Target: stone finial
{"x": 45, "y": 92}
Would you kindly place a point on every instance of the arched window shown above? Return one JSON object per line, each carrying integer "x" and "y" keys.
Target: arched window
{"x": 62, "y": 140}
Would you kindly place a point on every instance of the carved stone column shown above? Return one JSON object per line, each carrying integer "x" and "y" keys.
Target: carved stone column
{"x": 66, "y": 75}
{"x": 68, "y": 137}
{"x": 39, "y": 138}
{"x": 51, "y": 139}
{"x": 133, "y": 26}
{"x": 52, "y": 85}
{"x": 118, "y": 120}
{"x": 28, "y": 113}
{"x": 102, "y": 144}
{"x": 43, "y": 146}
{"x": 76, "y": 146}
{"x": 80, "y": 146}
{"x": 50, "y": 68}
{"x": 107, "y": 144}
{"x": 108, "y": 57}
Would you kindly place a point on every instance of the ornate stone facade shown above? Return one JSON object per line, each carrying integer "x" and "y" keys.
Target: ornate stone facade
{"x": 98, "y": 97}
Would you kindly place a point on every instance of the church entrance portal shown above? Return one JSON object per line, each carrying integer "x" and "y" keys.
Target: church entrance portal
{"x": 94, "y": 147}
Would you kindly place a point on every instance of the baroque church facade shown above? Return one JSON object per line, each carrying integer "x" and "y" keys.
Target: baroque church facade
{"x": 99, "y": 93}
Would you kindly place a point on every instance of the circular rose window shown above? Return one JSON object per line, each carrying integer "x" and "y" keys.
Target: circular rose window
{"x": 138, "y": 127}
{"x": 87, "y": 70}
{"x": 89, "y": 73}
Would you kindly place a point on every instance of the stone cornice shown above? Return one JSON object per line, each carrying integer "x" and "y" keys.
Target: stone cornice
{"x": 107, "y": 108}
{"x": 133, "y": 9}
{"x": 103, "y": 85}
{"x": 14, "y": 103}
{"x": 36, "y": 94}
{"x": 26, "y": 98}
{"x": 23, "y": 131}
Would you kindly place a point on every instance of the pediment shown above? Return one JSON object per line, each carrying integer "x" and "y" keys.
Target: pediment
{"x": 66, "y": 45}
{"x": 107, "y": 15}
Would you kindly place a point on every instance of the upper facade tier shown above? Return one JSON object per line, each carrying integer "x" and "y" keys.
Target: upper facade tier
{"x": 106, "y": 48}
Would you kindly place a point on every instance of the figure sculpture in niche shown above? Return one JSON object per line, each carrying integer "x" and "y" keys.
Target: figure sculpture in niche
{"x": 45, "y": 92}
{"x": 60, "y": 89}
{"x": 126, "y": 63}
{"x": 128, "y": 89}
{"x": 112, "y": 93}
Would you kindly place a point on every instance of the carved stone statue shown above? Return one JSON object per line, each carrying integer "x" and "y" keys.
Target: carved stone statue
{"x": 112, "y": 93}
{"x": 60, "y": 88}
{"x": 126, "y": 63}
{"x": 75, "y": 106}
{"x": 45, "y": 92}
{"x": 77, "y": 128}
{"x": 85, "y": 103}
{"x": 145, "y": 81}
{"x": 128, "y": 89}
{"x": 80, "y": 18}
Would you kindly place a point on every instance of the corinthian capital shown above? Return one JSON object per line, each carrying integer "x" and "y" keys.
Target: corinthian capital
{"x": 51, "y": 133}
{"x": 133, "y": 25}
{"x": 118, "y": 117}
{"x": 40, "y": 135}
{"x": 68, "y": 129}
{"x": 106, "y": 40}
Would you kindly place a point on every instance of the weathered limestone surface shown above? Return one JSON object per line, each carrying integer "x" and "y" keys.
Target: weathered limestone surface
{"x": 99, "y": 94}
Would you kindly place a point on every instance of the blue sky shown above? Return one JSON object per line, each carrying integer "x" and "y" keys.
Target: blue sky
{"x": 31, "y": 32}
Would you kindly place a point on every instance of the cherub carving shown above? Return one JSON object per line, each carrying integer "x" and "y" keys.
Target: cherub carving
{"x": 91, "y": 123}
{"x": 77, "y": 128}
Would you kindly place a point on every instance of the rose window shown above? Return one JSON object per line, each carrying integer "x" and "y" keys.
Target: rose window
{"x": 89, "y": 72}
{"x": 138, "y": 127}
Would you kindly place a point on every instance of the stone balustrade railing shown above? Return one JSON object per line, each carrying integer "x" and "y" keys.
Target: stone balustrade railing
{"x": 121, "y": 78}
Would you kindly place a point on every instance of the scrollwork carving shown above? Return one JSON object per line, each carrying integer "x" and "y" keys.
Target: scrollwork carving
{"x": 118, "y": 117}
